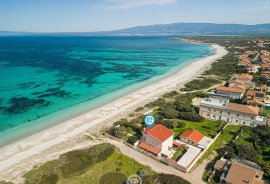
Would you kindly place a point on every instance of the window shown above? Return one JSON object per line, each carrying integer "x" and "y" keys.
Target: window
{"x": 238, "y": 115}
{"x": 244, "y": 123}
{"x": 229, "y": 113}
{"x": 252, "y": 118}
{"x": 220, "y": 112}
{"x": 219, "y": 117}
{"x": 207, "y": 114}
{"x": 236, "y": 121}
{"x": 251, "y": 124}
{"x": 214, "y": 116}
{"x": 214, "y": 110}
{"x": 228, "y": 119}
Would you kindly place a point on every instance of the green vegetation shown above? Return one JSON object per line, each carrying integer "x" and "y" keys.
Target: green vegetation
{"x": 4, "y": 182}
{"x": 226, "y": 136}
{"x": 199, "y": 84}
{"x": 178, "y": 153}
{"x": 224, "y": 67}
{"x": 165, "y": 179}
{"x": 253, "y": 144}
{"x": 69, "y": 164}
{"x": 99, "y": 164}
{"x": 116, "y": 168}
{"x": 208, "y": 128}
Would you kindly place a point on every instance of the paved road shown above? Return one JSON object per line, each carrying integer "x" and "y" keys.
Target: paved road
{"x": 194, "y": 177}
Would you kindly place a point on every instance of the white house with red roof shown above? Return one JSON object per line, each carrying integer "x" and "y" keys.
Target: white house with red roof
{"x": 157, "y": 140}
{"x": 195, "y": 138}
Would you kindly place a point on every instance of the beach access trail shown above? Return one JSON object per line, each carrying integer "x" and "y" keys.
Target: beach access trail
{"x": 21, "y": 156}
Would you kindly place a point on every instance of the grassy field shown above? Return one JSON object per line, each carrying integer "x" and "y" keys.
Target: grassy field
{"x": 208, "y": 128}
{"x": 227, "y": 135}
{"x": 117, "y": 163}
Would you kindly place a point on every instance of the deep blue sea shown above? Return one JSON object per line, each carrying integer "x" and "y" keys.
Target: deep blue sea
{"x": 43, "y": 78}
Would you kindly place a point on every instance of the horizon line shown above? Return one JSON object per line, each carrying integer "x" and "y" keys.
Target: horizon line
{"x": 131, "y": 27}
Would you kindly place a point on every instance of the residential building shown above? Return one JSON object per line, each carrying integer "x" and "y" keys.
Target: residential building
{"x": 235, "y": 172}
{"x": 259, "y": 95}
{"x": 250, "y": 94}
{"x": 237, "y": 84}
{"x": 157, "y": 140}
{"x": 234, "y": 93}
{"x": 266, "y": 73}
{"x": 244, "y": 77}
{"x": 221, "y": 109}
{"x": 256, "y": 103}
{"x": 195, "y": 138}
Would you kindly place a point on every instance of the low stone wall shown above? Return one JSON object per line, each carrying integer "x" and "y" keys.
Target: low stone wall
{"x": 173, "y": 164}
{"x": 201, "y": 154}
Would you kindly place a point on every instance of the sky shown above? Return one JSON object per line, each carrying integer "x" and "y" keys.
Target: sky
{"x": 105, "y": 15}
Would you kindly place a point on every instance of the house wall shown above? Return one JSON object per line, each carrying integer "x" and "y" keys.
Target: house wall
{"x": 167, "y": 143}
{"x": 151, "y": 141}
{"x": 188, "y": 141}
{"x": 236, "y": 85}
{"x": 234, "y": 117}
{"x": 230, "y": 94}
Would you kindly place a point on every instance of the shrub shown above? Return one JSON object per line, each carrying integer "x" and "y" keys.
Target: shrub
{"x": 110, "y": 178}
{"x": 169, "y": 123}
{"x": 170, "y": 94}
{"x": 132, "y": 140}
{"x": 191, "y": 116}
{"x": 139, "y": 109}
{"x": 165, "y": 179}
{"x": 75, "y": 162}
{"x": 156, "y": 103}
{"x": 168, "y": 111}
{"x": 117, "y": 131}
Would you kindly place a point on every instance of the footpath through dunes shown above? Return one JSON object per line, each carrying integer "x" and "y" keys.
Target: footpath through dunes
{"x": 24, "y": 154}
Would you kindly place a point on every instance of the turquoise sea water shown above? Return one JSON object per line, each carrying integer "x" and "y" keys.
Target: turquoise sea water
{"x": 46, "y": 80}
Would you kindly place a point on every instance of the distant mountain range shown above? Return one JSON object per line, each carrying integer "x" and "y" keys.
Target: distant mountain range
{"x": 172, "y": 29}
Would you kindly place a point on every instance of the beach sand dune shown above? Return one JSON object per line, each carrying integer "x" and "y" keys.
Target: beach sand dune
{"x": 21, "y": 156}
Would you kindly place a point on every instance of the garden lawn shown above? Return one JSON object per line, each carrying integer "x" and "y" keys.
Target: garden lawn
{"x": 208, "y": 128}
{"x": 227, "y": 135}
{"x": 117, "y": 163}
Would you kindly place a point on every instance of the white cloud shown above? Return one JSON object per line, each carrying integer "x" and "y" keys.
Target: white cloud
{"x": 125, "y": 4}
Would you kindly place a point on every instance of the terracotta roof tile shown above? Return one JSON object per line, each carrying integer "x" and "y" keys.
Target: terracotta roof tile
{"x": 250, "y": 93}
{"x": 245, "y": 76}
{"x": 159, "y": 132}
{"x": 149, "y": 148}
{"x": 194, "y": 135}
{"x": 234, "y": 90}
{"x": 255, "y": 101}
{"x": 237, "y": 81}
{"x": 242, "y": 174}
{"x": 243, "y": 108}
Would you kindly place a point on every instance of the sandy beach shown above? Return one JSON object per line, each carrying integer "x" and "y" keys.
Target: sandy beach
{"x": 21, "y": 156}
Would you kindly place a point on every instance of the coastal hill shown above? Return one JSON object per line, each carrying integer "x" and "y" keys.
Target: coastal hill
{"x": 198, "y": 28}
{"x": 171, "y": 29}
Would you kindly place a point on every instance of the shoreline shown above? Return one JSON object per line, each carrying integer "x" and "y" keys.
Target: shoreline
{"x": 47, "y": 145}
{"x": 58, "y": 117}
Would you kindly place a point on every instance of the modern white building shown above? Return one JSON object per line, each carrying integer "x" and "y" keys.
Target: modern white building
{"x": 230, "y": 92}
{"x": 218, "y": 108}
